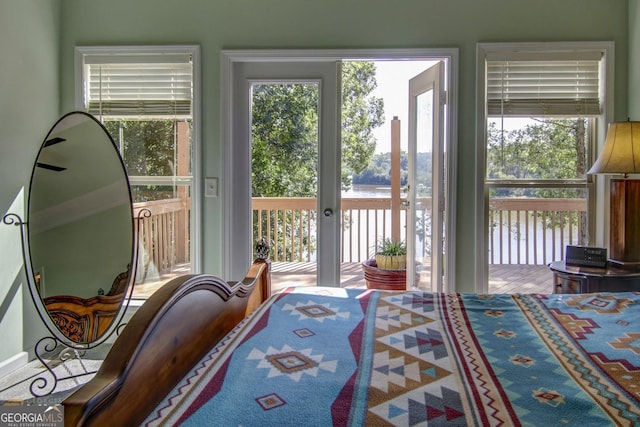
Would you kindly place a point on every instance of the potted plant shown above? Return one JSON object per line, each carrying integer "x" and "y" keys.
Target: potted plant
{"x": 387, "y": 270}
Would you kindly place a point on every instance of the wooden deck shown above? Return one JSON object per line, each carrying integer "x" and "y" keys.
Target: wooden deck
{"x": 520, "y": 278}
{"x": 503, "y": 278}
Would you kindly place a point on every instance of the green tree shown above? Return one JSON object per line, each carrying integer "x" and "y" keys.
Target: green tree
{"x": 284, "y": 134}
{"x": 147, "y": 149}
{"x": 361, "y": 114}
{"x": 379, "y": 170}
{"x": 545, "y": 149}
{"x": 284, "y": 140}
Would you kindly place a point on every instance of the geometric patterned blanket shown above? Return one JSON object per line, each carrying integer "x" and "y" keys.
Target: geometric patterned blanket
{"x": 354, "y": 357}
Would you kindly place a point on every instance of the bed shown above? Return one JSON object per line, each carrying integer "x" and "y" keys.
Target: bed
{"x": 332, "y": 356}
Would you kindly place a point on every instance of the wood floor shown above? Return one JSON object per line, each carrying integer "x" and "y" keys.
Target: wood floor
{"x": 519, "y": 278}
{"x": 503, "y": 278}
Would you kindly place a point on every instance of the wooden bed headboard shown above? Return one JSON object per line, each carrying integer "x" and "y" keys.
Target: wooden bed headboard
{"x": 83, "y": 320}
{"x": 164, "y": 339}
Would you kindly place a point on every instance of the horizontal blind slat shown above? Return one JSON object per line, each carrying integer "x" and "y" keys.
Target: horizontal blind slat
{"x": 121, "y": 88}
{"x": 550, "y": 87}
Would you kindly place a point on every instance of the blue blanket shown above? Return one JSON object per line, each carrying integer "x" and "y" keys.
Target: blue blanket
{"x": 328, "y": 356}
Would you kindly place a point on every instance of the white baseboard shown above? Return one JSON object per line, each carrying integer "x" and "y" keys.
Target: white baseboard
{"x": 13, "y": 363}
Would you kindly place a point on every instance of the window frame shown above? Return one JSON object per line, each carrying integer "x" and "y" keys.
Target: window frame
{"x": 194, "y": 50}
{"x": 596, "y": 213}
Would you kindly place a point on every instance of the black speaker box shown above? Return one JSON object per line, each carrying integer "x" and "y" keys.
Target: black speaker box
{"x": 586, "y": 256}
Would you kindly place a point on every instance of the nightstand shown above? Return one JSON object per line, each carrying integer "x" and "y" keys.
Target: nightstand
{"x": 574, "y": 279}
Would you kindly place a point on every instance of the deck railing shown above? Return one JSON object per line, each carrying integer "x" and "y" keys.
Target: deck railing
{"x": 534, "y": 230}
{"x": 163, "y": 237}
{"x": 522, "y": 230}
{"x": 289, "y": 224}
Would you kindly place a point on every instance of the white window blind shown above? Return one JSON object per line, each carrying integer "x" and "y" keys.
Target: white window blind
{"x": 564, "y": 84}
{"x": 139, "y": 85}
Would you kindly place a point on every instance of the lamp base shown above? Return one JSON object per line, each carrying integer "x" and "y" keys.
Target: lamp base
{"x": 624, "y": 231}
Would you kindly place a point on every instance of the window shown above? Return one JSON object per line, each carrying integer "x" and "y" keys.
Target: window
{"x": 146, "y": 98}
{"x": 543, "y": 109}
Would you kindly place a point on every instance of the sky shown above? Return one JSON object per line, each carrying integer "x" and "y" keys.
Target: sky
{"x": 393, "y": 87}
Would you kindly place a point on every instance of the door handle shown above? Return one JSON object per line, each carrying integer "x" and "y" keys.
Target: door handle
{"x": 328, "y": 212}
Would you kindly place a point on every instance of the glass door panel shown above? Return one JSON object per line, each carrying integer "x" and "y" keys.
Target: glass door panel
{"x": 157, "y": 155}
{"x": 286, "y": 134}
{"x": 284, "y": 176}
{"x": 538, "y": 197}
{"x": 423, "y": 189}
{"x": 425, "y": 222}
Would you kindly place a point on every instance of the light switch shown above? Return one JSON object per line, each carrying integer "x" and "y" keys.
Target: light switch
{"x": 210, "y": 187}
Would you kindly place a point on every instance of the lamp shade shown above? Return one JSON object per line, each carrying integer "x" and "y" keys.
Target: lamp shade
{"x": 621, "y": 151}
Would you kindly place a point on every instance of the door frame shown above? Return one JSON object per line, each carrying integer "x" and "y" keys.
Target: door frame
{"x": 235, "y": 243}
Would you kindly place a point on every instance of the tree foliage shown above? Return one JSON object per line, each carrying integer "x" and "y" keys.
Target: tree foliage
{"x": 361, "y": 114}
{"x": 285, "y": 135}
{"x": 148, "y": 148}
{"x": 379, "y": 172}
{"x": 545, "y": 149}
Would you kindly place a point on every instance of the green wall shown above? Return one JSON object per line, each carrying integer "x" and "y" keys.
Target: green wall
{"x": 343, "y": 24}
{"x": 29, "y": 106}
{"x": 37, "y": 38}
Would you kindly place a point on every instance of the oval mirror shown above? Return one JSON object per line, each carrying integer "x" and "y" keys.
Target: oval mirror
{"x": 80, "y": 229}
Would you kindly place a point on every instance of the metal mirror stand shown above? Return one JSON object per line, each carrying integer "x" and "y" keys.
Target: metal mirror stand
{"x": 45, "y": 348}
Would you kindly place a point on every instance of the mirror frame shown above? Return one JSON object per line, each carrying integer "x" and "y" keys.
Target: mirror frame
{"x": 38, "y": 299}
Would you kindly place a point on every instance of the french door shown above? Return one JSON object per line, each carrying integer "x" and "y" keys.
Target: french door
{"x": 426, "y": 173}
{"x": 322, "y": 80}
{"x": 429, "y": 222}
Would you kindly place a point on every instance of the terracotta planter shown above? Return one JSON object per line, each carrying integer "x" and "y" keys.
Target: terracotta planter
{"x": 390, "y": 280}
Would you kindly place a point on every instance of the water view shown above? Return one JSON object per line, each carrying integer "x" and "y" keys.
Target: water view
{"x": 520, "y": 236}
